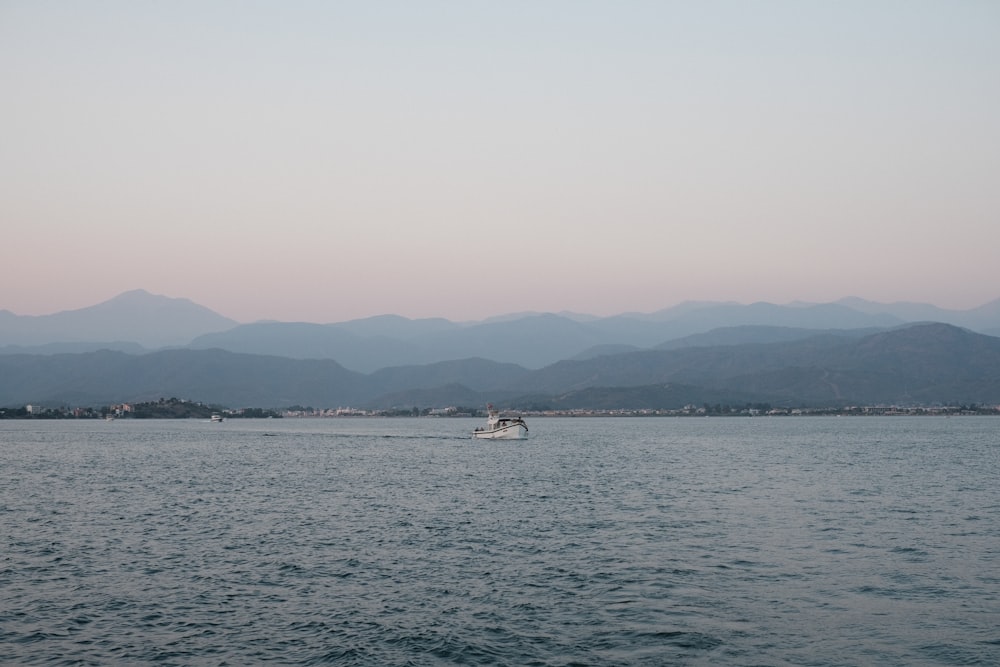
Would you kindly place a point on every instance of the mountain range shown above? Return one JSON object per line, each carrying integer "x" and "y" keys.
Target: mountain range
{"x": 131, "y": 318}
{"x": 140, "y": 346}
{"x": 138, "y": 321}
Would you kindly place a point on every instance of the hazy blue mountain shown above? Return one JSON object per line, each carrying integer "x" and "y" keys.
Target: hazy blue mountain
{"x": 74, "y": 348}
{"x": 604, "y": 350}
{"x": 302, "y": 340}
{"x": 396, "y": 326}
{"x": 757, "y": 334}
{"x": 209, "y": 376}
{"x": 533, "y": 341}
{"x": 903, "y": 310}
{"x": 635, "y": 331}
{"x": 702, "y": 317}
{"x": 680, "y": 310}
{"x": 983, "y": 319}
{"x": 508, "y": 317}
{"x": 530, "y": 340}
{"x": 914, "y": 364}
{"x": 477, "y": 374}
{"x": 918, "y": 363}
{"x": 140, "y": 317}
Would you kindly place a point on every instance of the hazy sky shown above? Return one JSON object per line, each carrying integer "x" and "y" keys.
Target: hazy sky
{"x": 323, "y": 161}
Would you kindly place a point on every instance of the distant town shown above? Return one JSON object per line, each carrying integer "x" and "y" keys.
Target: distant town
{"x": 181, "y": 409}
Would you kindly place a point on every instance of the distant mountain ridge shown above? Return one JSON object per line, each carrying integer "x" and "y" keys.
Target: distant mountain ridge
{"x": 149, "y": 320}
{"x": 914, "y": 364}
{"x": 536, "y": 340}
{"x": 531, "y": 340}
{"x": 983, "y": 319}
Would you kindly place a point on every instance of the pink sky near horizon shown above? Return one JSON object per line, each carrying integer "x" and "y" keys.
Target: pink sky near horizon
{"x": 329, "y": 161}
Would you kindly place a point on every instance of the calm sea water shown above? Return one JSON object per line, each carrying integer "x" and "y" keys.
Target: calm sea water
{"x": 740, "y": 541}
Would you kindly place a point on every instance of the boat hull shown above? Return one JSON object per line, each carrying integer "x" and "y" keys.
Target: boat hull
{"x": 509, "y": 432}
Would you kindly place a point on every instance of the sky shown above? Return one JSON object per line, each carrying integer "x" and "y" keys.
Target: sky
{"x": 326, "y": 161}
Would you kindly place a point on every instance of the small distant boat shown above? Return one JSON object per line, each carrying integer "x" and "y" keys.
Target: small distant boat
{"x": 501, "y": 428}
{"x": 217, "y": 417}
{"x": 109, "y": 418}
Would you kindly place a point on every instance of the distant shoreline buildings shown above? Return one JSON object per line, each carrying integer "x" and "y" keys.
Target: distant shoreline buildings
{"x": 185, "y": 410}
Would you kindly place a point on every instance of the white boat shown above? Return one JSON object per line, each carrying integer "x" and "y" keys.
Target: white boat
{"x": 501, "y": 428}
{"x": 217, "y": 417}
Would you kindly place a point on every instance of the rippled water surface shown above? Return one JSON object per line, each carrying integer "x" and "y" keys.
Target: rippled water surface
{"x": 764, "y": 541}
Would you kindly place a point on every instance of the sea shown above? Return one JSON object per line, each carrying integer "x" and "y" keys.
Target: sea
{"x": 596, "y": 541}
